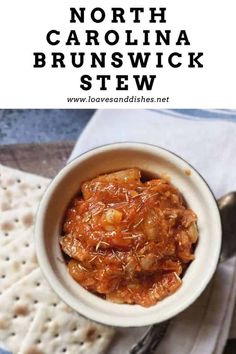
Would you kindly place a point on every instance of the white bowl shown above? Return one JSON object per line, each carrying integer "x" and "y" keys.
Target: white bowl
{"x": 153, "y": 160}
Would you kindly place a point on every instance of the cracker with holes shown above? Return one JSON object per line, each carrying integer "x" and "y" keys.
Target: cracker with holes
{"x": 20, "y": 189}
{"x": 21, "y": 303}
{"x": 13, "y": 223}
{"x": 60, "y": 330}
{"x": 29, "y": 308}
{"x": 17, "y": 259}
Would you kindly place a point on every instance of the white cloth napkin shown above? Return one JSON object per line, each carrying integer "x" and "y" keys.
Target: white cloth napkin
{"x": 210, "y": 146}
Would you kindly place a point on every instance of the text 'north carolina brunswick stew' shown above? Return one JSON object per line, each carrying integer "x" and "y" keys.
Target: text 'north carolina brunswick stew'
{"x": 129, "y": 240}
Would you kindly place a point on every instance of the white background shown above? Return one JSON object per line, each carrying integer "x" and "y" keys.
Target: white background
{"x": 210, "y": 25}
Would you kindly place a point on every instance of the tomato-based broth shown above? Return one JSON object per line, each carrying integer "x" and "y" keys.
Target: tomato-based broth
{"x": 127, "y": 239}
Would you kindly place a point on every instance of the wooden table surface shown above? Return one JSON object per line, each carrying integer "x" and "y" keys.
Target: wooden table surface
{"x": 47, "y": 159}
{"x": 44, "y": 159}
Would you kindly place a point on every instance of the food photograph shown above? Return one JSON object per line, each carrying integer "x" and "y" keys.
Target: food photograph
{"x": 117, "y": 231}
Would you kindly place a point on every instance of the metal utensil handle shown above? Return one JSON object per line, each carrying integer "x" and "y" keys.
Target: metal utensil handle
{"x": 151, "y": 339}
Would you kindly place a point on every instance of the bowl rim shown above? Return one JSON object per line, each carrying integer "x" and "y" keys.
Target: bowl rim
{"x": 53, "y": 280}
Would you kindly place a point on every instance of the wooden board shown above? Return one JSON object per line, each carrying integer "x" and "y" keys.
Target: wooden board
{"x": 44, "y": 159}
